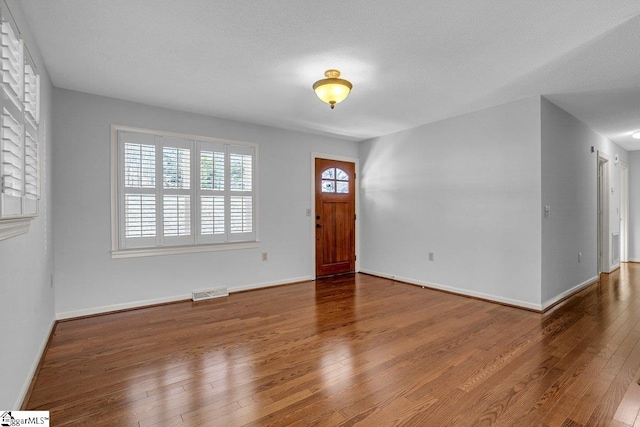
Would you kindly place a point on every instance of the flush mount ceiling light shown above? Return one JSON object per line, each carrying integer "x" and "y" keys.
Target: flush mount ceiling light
{"x": 332, "y": 89}
{"x": 636, "y": 135}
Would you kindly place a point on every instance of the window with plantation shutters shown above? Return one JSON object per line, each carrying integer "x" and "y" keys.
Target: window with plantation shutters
{"x": 176, "y": 191}
{"x": 19, "y": 120}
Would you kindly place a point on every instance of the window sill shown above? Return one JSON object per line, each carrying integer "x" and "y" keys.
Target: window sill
{"x": 14, "y": 226}
{"x": 176, "y": 250}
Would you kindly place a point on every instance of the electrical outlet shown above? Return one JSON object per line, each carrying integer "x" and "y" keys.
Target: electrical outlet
{"x": 308, "y": 212}
{"x": 430, "y": 256}
{"x": 264, "y": 256}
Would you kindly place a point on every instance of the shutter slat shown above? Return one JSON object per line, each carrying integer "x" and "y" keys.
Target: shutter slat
{"x": 12, "y": 124}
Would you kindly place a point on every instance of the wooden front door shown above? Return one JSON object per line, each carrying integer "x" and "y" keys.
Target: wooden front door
{"x": 335, "y": 217}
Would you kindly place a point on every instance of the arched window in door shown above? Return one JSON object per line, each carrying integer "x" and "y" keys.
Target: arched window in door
{"x": 335, "y": 180}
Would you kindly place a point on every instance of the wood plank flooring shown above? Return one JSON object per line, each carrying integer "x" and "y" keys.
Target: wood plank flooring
{"x": 351, "y": 351}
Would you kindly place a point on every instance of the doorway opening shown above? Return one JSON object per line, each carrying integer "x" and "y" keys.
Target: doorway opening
{"x": 603, "y": 213}
{"x": 624, "y": 212}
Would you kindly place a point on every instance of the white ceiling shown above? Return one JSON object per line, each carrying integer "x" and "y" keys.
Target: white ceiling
{"x": 410, "y": 62}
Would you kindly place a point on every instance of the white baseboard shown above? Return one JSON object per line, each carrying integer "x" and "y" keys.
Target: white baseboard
{"x": 568, "y": 293}
{"x": 145, "y": 303}
{"x": 459, "y": 291}
{"x": 34, "y": 368}
{"x": 270, "y": 284}
{"x": 118, "y": 307}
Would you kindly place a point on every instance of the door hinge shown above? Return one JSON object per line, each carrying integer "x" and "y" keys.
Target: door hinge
{"x": 355, "y": 258}
{"x": 355, "y": 217}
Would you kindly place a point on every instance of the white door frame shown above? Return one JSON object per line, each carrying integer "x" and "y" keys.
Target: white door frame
{"x": 603, "y": 213}
{"x": 312, "y": 223}
{"x": 624, "y": 212}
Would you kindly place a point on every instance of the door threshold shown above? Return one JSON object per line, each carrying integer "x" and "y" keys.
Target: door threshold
{"x": 335, "y": 275}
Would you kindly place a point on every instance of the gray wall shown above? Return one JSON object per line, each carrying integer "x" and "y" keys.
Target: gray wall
{"x": 569, "y": 187}
{"x": 89, "y": 280}
{"x": 26, "y": 265}
{"x": 466, "y": 188}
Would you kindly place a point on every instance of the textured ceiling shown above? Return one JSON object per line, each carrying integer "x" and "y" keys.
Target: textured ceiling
{"x": 410, "y": 62}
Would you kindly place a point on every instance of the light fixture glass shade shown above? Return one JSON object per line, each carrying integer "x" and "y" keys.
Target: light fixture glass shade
{"x": 636, "y": 135}
{"x": 332, "y": 90}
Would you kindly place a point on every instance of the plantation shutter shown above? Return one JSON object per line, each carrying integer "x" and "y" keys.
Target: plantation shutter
{"x": 176, "y": 191}
{"x": 211, "y": 192}
{"x": 12, "y": 64}
{"x": 138, "y": 214}
{"x": 12, "y": 164}
{"x": 31, "y": 146}
{"x": 241, "y": 169}
{"x": 31, "y": 95}
{"x": 12, "y": 151}
{"x": 31, "y": 179}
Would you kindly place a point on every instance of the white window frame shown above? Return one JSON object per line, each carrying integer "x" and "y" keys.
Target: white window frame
{"x": 195, "y": 242}
{"x": 17, "y": 211}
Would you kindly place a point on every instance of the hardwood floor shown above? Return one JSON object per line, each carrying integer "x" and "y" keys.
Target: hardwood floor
{"x": 351, "y": 350}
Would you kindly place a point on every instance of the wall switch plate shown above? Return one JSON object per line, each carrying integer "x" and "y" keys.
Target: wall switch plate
{"x": 264, "y": 256}
{"x": 308, "y": 212}
{"x": 579, "y": 256}
{"x": 430, "y": 256}
{"x": 547, "y": 211}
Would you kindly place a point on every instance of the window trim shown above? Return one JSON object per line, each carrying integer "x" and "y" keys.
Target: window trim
{"x": 117, "y": 252}
{"x": 11, "y": 226}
